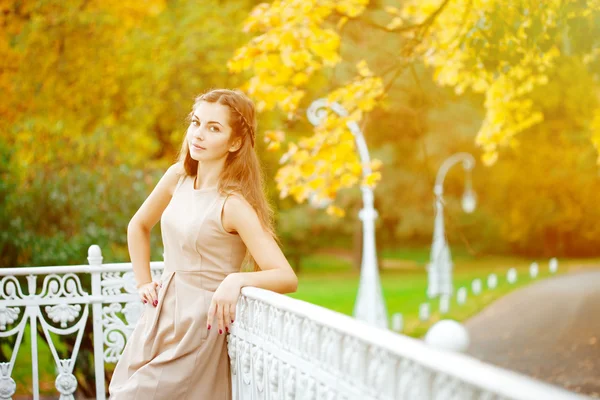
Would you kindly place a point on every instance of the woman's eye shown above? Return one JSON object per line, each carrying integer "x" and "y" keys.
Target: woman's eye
{"x": 214, "y": 128}
{"x": 195, "y": 123}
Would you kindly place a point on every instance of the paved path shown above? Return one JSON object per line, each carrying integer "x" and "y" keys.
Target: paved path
{"x": 549, "y": 330}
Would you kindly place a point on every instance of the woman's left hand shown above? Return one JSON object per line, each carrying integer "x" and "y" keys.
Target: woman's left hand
{"x": 224, "y": 301}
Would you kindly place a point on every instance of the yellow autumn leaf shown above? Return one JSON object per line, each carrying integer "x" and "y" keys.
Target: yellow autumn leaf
{"x": 372, "y": 179}
{"x": 335, "y": 211}
{"x": 363, "y": 69}
{"x": 273, "y": 146}
{"x": 307, "y": 169}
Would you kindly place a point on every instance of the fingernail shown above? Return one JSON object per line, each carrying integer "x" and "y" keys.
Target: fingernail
{"x": 232, "y": 321}
{"x": 226, "y": 329}
{"x": 155, "y": 302}
{"x": 209, "y": 327}
{"x": 145, "y": 301}
{"x": 220, "y": 331}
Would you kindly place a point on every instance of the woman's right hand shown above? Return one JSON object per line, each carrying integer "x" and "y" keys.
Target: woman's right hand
{"x": 149, "y": 293}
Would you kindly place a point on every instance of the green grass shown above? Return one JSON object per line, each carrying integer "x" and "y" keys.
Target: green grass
{"x": 329, "y": 281}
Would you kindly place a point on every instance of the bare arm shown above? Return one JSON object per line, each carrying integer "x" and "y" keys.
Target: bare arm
{"x": 138, "y": 230}
{"x": 276, "y": 273}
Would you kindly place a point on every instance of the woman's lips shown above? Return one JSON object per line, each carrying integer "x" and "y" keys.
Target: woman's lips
{"x": 197, "y": 147}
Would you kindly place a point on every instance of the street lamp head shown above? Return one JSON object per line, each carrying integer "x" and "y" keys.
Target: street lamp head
{"x": 469, "y": 201}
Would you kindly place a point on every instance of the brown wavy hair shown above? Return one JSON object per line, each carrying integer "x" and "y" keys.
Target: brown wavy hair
{"x": 242, "y": 172}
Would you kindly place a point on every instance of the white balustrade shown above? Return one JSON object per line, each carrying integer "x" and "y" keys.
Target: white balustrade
{"x": 492, "y": 281}
{"x": 533, "y": 270}
{"x": 461, "y": 295}
{"x": 397, "y": 322}
{"x": 279, "y": 347}
{"x": 444, "y": 304}
{"x": 424, "y": 311}
{"x": 284, "y": 348}
{"x": 553, "y": 265}
{"x": 511, "y": 276}
{"x": 476, "y": 286}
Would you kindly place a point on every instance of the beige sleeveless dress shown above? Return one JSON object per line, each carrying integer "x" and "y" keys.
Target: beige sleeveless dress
{"x": 171, "y": 354}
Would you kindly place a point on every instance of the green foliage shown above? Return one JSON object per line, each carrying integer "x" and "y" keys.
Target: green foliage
{"x": 53, "y": 222}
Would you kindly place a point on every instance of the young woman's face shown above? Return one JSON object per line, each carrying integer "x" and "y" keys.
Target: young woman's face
{"x": 209, "y": 132}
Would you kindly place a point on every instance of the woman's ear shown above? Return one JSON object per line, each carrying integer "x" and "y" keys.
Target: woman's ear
{"x": 235, "y": 146}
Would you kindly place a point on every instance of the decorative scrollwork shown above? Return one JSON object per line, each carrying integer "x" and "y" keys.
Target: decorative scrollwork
{"x": 258, "y": 317}
{"x": 115, "y": 283}
{"x": 329, "y": 351}
{"x": 242, "y": 319}
{"x": 8, "y": 315}
{"x": 10, "y": 289}
{"x": 63, "y": 313}
{"x": 117, "y": 331}
{"x": 65, "y": 382}
{"x": 246, "y": 362}
{"x": 446, "y": 387}
{"x": 232, "y": 351}
{"x": 309, "y": 341}
{"x": 378, "y": 369}
{"x": 352, "y": 358}
{"x": 413, "y": 380}
{"x": 289, "y": 382}
{"x": 8, "y": 386}
{"x": 259, "y": 368}
{"x": 308, "y": 387}
{"x": 133, "y": 312}
{"x": 274, "y": 325}
{"x": 67, "y": 285}
{"x": 291, "y": 325}
{"x": 273, "y": 373}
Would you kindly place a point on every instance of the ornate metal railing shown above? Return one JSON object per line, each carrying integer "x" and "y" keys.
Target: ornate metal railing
{"x": 280, "y": 348}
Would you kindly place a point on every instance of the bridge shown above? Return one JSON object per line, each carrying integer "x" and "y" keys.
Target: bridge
{"x": 279, "y": 347}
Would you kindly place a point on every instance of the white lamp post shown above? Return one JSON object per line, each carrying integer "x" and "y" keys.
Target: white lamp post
{"x": 439, "y": 270}
{"x": 369, "y": 306}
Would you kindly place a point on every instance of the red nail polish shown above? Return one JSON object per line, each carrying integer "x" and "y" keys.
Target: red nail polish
{"x": 226, "y": 329}
{"x": 220, "y": 331}
{"x": 209, "y": 327}
{"x": 155, "y": 303}
{"x": 232, "y": 321}
{"x": 145, "y": 301}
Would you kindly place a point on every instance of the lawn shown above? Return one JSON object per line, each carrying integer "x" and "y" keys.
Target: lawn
{"x": 330, "y": 281}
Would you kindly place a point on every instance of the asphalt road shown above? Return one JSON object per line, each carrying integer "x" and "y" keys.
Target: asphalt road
{"x": 549, "y": 330}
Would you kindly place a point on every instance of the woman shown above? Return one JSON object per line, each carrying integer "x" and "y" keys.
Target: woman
{"x": 213, "y": 215}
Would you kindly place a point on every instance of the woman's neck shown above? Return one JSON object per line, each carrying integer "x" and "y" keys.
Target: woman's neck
{"x": 208, "y": 174}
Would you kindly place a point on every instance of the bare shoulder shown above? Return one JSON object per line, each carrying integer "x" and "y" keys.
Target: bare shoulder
{"x": 172, "y": 175}
{"x": 151, "y": 210}
{"x": 176, "y": 168}
{"x": 237, "y": 212}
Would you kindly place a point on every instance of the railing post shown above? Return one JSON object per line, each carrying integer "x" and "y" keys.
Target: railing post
{"x": 95, "y": 260}
{"x": 32, "y": 313}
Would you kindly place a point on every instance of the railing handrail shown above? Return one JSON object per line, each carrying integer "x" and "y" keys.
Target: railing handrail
{"x": 486, "y": 376}
{"x": 462, "y": 368}
{"x": 76, "y": 269}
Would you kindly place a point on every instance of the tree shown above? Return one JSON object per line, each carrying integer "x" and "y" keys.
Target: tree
{"x": 503, "y": 53}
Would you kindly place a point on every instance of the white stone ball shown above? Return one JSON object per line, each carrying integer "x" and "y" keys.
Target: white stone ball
{"x": 448, "y": 335}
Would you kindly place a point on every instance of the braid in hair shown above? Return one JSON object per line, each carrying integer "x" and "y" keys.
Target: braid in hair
{"x": 250, "y": 129}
